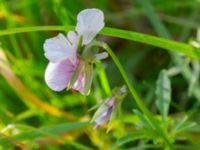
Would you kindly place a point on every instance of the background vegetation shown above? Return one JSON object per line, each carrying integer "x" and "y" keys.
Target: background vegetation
{"x": 164, "y": 73}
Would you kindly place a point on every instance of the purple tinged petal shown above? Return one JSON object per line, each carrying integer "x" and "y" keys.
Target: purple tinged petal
{"x": 58, "y": 75}
{"x": 103, "y": 114}
{"x": 103, "y": 117}
{"x": 106, "y": 111}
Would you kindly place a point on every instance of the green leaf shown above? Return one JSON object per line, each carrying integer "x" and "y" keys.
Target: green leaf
{"x": 163, "y": 94}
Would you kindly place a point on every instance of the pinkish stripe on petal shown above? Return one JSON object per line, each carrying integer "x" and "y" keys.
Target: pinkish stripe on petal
{"x": 79, "y": 84}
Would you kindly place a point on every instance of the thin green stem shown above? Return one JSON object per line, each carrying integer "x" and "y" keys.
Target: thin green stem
{"x": 34, "y": 29}
{"x": 186, "y": 49}
{"x": 139, "y": 102}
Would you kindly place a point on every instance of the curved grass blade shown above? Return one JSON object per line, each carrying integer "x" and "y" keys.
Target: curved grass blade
{"x": 183, "y": 48}
{"x": 48, "y": 131}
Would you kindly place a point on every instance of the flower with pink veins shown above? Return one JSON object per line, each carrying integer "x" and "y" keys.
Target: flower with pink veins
{"x": 62, "y": 53}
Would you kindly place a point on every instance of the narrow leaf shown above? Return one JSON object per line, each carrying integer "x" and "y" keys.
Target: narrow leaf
{"x": 48, "y": 131}
{"x": 163, "y": 93}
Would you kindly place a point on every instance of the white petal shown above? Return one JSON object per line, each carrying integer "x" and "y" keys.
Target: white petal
{"x": 58, "y": 75}
{"x": 58, "y": 48}
{"x": 90, "y": 22}
{"x": 73, "y": 37}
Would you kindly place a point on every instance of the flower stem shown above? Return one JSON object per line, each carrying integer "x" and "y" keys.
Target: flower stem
{"x": 134, "y": 94}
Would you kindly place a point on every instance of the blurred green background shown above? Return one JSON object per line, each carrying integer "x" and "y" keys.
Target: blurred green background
{"x": 27, "y": 104}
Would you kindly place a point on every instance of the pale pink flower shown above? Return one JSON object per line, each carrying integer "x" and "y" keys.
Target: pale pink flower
{"x": 105, "y": 112}
{"x": 62, "y": 52}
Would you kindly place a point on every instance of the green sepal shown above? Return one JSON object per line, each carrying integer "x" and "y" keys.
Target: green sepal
{"x": 88, "y": 73}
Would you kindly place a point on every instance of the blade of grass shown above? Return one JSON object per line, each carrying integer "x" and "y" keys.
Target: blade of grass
{"x": 154, "y": 19}
{"x": 49, "y": 131}
{"x": 54, "y": 132}
{"x": 170, "y": 45}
